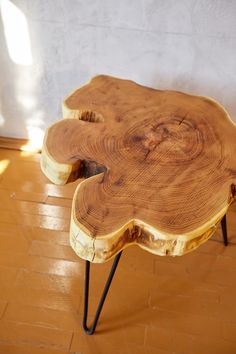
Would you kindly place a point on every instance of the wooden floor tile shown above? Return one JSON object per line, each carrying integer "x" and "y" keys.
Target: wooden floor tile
{"x": 156, "y": 305}
{"x": 43, "y": 221}
{"x": 3, "y": 305}
{"x": 229, "y": 331}
{"x": 49, "y": 236}
{"x": 65, "y": 202}
{"x": 19, "y": 333}
{"x": 205, "y": 345}
{"x": 89, "y": 345}
{"x": 46, "y": 299}
{"x": 27, "y": 349}
{"x": 14, "y": 242}
{"x": 34, "y": 208}
{"x": 51, "y": 282}
{"x": 16, "y": 260}
{"x": 42, "y": 316}
{"x": 54, "y": 266}
{"x": 50, "y": 250}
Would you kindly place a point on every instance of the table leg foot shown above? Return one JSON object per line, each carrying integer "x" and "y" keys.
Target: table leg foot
{"x": 90, "y": 330}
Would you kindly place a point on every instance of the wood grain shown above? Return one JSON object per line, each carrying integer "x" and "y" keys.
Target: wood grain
{"x": 159, "y": 167}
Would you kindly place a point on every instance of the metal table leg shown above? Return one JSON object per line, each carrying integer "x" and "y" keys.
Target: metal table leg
{"x": 90, "y": 330}
{"x": 224, "y": 230}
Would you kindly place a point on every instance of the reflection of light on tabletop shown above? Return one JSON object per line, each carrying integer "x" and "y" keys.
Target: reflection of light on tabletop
{"x": 3, "y": 165}
{"x": 16, "y": 33}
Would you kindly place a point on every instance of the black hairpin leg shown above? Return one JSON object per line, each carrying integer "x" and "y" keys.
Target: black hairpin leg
{"x": 224, "y": 230}
{"x": 90, "y": 330}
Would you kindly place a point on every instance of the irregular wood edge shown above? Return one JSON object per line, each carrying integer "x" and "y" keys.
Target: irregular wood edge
{"x": 57, "y": 173}
{"x": 67, "y": 112}
{"x": 73, "y": 113}
{"x": 101, "y": 249}
{"x": 70, "y": 113}
{"x": 220, "y": 106}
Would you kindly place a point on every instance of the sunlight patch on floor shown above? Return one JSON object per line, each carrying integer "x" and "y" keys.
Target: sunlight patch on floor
{"x": 3, "y": 165}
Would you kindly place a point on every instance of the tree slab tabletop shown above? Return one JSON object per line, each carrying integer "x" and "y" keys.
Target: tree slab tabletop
{"x": 158, "y": 167}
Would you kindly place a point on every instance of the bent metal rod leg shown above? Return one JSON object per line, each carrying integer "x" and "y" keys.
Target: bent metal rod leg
{"x": 224, "y": 230}
{"x": 90, "y": 330}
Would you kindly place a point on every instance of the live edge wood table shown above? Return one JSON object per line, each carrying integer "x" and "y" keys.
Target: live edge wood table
{"x": 159, "y": 171}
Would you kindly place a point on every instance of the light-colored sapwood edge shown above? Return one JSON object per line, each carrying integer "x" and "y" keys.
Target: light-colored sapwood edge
{"x": 101, "y": 249}
{"x": 57, "y": 173}
{"x": 67, "y": 112}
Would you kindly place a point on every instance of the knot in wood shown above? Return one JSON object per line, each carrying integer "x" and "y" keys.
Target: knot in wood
{"x": 163, "y": 161}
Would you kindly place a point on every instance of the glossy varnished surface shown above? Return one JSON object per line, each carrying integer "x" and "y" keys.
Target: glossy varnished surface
{"x": 169, "y": 167}
{"x": 156, "y": 305}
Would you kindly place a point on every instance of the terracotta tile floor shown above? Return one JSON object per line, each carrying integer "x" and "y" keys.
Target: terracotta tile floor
{"x": 161, "y": 305}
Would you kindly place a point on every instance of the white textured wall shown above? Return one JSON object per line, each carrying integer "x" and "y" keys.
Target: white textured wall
{"x": 188, "y": 45}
